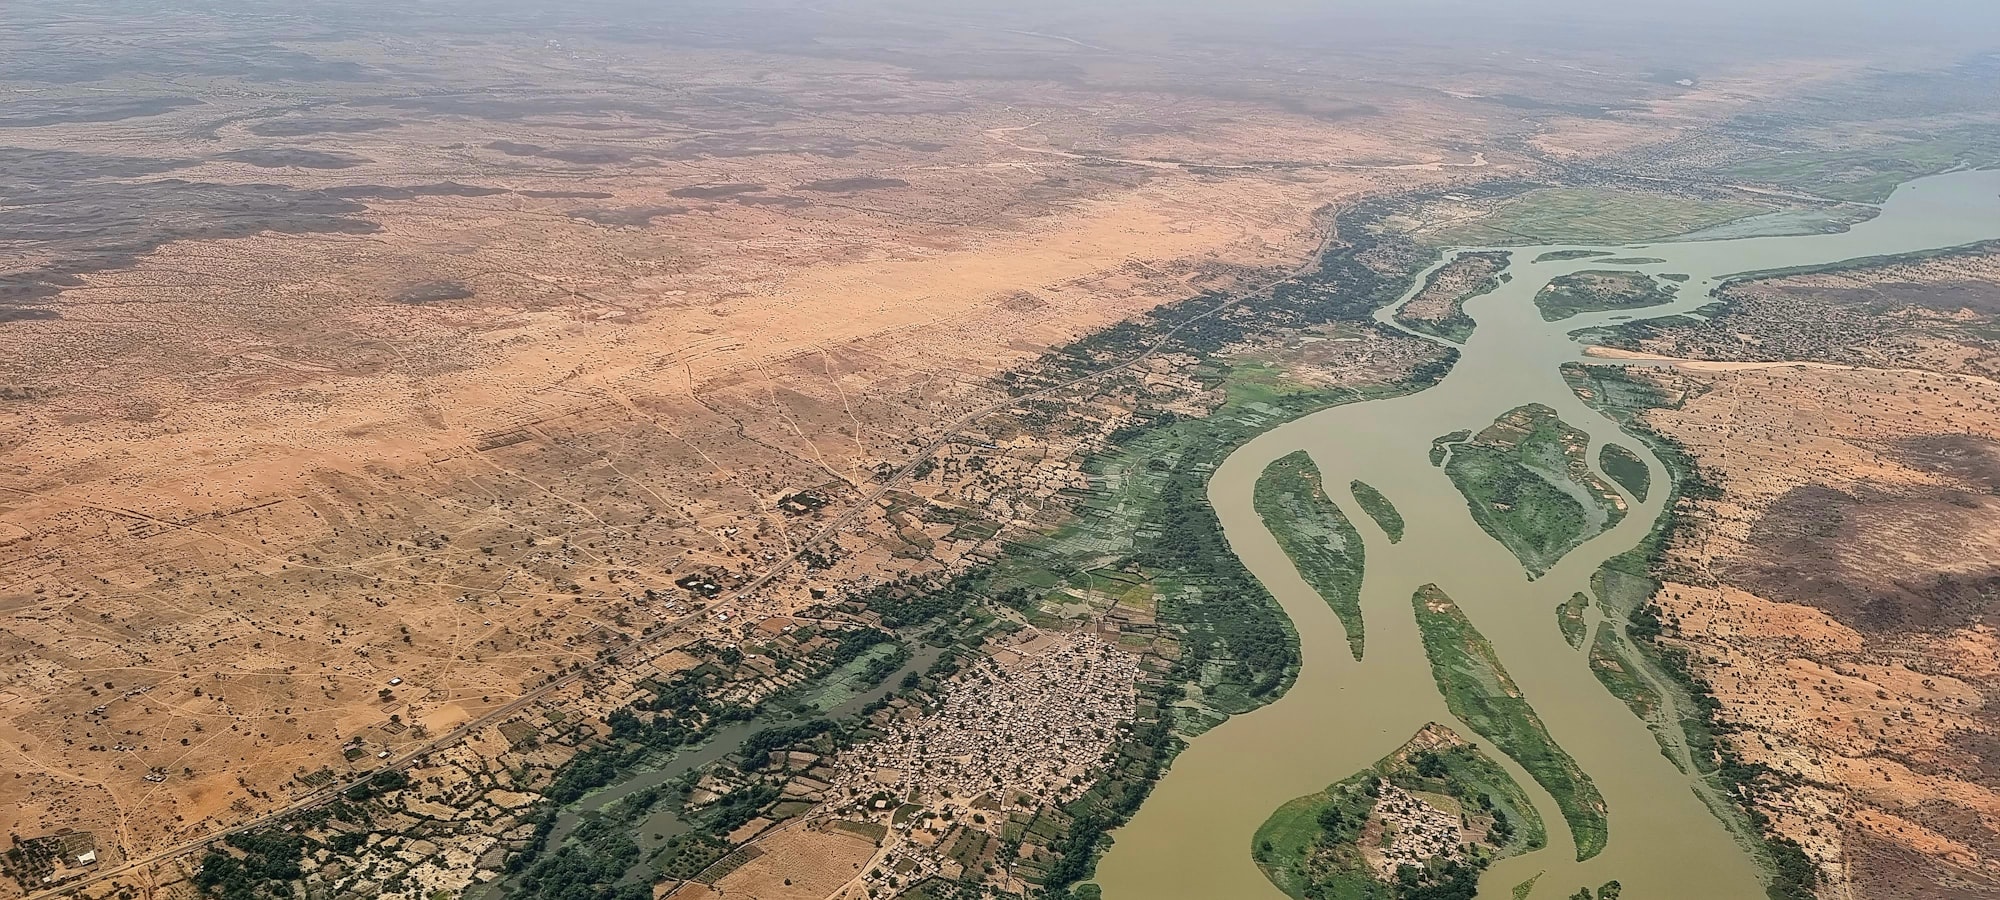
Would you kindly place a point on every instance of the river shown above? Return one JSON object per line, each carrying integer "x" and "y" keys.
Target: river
{"x": 1192, "y": 838}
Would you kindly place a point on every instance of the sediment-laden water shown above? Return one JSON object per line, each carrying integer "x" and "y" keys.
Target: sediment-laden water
{"x": 1192, "y": 838}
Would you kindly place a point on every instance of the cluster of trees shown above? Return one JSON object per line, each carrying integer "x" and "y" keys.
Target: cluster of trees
{"x": 916, "y": 601}
{"x": 267, "y": 861}
{"x": 1441, "y": 879}
{"x": 377, "y": 784}
{"x": 1107, "y": 806}
{"x": 758, "y": 747}
{"x": 589, "y": 868}
{"x": 857, "y": 642}
{"x": 1237, "y": 619}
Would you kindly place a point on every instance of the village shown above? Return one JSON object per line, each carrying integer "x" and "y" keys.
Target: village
{"x": 1020, "y": 730}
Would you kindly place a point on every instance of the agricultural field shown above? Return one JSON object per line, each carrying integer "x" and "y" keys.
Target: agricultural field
{"x": 1870, "y": 172}
{"x": 1599, "y": 291}
{"x": 1478, "y": 690}
{"x": 1586, "y": 215}
{"x": 1527, "y": 485}
{"x": 1317, "y": 536}
{"x": 1437, "y": 806}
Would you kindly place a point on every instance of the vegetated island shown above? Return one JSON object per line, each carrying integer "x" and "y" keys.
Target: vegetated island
{"x": 1526, "y": 482}
{"x": 1378, "y": 508}
{"x": 1569, "y": 618}
{"x": 1626, "y": 468}
{"x": 1598, "y": 290}
{"x": 1478, "y": 690}
{"x": 1561, "y": 255}
{"x": 1439, "y": 308}
{"x": 1322, "y": 543}
{"x": 1421, "y": 824}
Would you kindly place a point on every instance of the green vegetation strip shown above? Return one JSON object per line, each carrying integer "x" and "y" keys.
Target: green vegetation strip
{"x": 1322, "y": 543}
{"x": 1626, "y": 468}
{"x": 1311, "y": 847}
{"x": 1560, "y": 255}
{"x": 1478, "y": 690}
{"x": 1378, "y": 508}
{"x": 1614, "y": 664}
{"x": 1441, "y": 446}
{"x": 1526, "y": 484}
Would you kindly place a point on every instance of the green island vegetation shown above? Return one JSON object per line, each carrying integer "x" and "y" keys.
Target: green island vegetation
{"x": 1611, "y": 660}
{"x": 1564, "y": 255}
{"x": 1869, "y": 174}
{"x": 1378, "y": 508}
{"x": 1337, "y": 844}
{"x": 1438, "y": 308}
{"x": 1569, "y": 618}
{"x": 1625, "y": 586}
{"x": 1633, "y": 261}
{"x": 1593, "y": 215}
{"x": 1599, "y": 290}
{"x": 1526, "y": 482}
{"x": 1441, "y": 446}
{"x": 1478, "y": 690}
{"x": 1525, "y": 888}
{"x": 1610, "y": 890}
{"x": 1675, "y": 277}
{"x": 1292, "y": 500}
{"x": 1626, "y": 468}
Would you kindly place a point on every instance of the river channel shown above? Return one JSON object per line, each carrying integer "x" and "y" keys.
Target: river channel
{"x": 665, "y": 822}
{"x": 1192, "y": 838}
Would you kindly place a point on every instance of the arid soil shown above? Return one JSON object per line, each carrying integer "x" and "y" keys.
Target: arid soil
{"x": 1838, "y": 597}
{"x": 366, "y": 370}
{"x": 339, "y": 412}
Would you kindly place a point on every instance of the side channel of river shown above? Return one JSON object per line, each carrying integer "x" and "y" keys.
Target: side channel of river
{"x": 1192, "y": 838}
{"x": 665, "y": 822}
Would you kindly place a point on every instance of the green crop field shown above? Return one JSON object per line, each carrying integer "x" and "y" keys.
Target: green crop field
{"x": 1592, "y": 216}
{"x": 1870, "y": 174}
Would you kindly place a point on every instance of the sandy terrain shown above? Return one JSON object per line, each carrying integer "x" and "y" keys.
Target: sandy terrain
{"x": 1836, "y": 597}
{"x": 366, "y": 368}
{"x": 336, "y": 416}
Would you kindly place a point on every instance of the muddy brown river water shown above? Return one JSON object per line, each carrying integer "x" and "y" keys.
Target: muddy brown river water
{"x": 1192, "y": 838}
